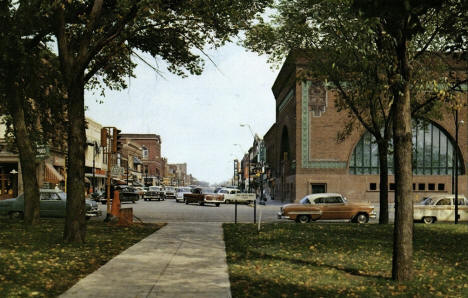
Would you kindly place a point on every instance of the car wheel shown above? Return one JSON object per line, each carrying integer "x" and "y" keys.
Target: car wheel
{"x": 362, "y": 218}
{"x": 145, "y": 199}
{"x": 88, "y": 217}
{"x": 16, "y": 214}
{"x": 217, "y": 204}
{"x": 428, "y": 220}
{"x": 302, "y": 218}
{"x": 133, "y": 202}
{"x": 186, "y": 202}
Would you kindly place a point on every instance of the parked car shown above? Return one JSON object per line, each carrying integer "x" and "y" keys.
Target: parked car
{"x": 169, "y": 192}
{"x": 140, "y": 191}
{"x": 232, "y": 195}
{"x": 154, "y": 193}
{"x": 440, "y": 208}
{"x": 96, "y": 196}
{"x": 327, "y": 206}
{"x": 202, "y": 196}
{"x": 52, "y": 204}
{"x": 127, "y": 193}
{"x": 180, "y": 193}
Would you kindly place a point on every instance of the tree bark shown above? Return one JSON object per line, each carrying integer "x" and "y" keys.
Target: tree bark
{"x": 27, "y": 155}
{"x": 75, "y": 223}
{"x": 402, "y": 267}
{"x": 383, "y": 188}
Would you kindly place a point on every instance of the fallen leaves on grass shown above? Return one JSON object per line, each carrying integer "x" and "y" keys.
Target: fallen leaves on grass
{"x": 36, "y": 263}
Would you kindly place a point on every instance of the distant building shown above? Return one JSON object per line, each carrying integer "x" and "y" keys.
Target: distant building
{"x": 153, "y": 164}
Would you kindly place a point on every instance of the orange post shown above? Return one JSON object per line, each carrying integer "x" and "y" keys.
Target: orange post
{"x": 115, "y": 210}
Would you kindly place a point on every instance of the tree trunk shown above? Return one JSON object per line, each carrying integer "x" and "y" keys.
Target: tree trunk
{"x": 27, "y": 156}
{"x": 402, "y": 269}
{"x": 383, "y": 188}
{"x": 75, "y": 223}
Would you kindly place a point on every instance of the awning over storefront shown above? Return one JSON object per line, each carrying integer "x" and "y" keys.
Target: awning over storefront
{"x": 51, "y": 175}
{"x": 95, "y": 175}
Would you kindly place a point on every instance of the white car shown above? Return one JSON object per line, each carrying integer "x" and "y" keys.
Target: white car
{"x": 232, "y": 195}
{"x": 169, "y": 192}
{"x": 440, "y": 208}
{"x": 180, "y": 193}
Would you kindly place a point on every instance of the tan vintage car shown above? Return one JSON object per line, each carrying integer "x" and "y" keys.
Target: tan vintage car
{"x": 440, "y": 208}
{"x": 327, "y": 206}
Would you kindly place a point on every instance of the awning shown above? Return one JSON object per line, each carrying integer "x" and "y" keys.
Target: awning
{"x": 95, "y": 175}
{"x": 119, "y": 181}
{"x": 51, "y": 175}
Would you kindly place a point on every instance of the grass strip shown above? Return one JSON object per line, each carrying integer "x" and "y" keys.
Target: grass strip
{"x": 36, "y": 262}
{"x": 343, "y": 260}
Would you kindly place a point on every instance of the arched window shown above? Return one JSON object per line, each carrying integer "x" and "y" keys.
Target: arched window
{"x": 432, "y": 153}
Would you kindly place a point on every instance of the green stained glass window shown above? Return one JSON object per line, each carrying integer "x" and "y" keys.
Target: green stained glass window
{"x": 432, "y": 153}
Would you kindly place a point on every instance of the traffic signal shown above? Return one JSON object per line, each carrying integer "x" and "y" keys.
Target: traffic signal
{"x": 103, "y": 137}
{"x": 116, "y": 141}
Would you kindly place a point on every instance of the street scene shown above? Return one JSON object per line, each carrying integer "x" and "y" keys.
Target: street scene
{"x": 244, "y": 148}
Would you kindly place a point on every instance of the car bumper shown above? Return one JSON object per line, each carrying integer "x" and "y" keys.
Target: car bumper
{"x": 94, "y": 213}
{"x": 281, "y": 216}
{"x": 373, "y": 215}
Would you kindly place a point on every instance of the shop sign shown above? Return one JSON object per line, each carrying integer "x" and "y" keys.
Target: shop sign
{"x": 42, "y": 152}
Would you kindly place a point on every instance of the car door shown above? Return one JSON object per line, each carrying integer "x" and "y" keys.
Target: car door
{"x": 58, "y": 205}
{"x": 45, "y": 207}
{"x": 444, "y": 210}
{"x": 333, "y": 208}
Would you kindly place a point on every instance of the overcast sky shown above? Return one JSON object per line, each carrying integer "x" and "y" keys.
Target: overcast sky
{"x": 198, "y": 118}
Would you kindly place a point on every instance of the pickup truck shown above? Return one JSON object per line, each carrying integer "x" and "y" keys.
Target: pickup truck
{"x": 232, "y": 195}
{"x": 202, "y": 196}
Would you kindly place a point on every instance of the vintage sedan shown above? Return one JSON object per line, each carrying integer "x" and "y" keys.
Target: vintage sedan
{"x": 169, "y": 192}
{"x": 180, "y": 193}
{"x": 327, "y": 206}
{"x": 154, "y": 193}
{"x": 52, "y": 204}
{"x": 202, "y": 196}
{"x": 440, "y": 208}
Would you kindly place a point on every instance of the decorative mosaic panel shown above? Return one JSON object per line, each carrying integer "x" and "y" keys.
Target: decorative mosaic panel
{"x": 317, "y": 106}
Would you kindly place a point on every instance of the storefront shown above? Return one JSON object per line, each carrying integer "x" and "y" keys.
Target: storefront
{"x": 8, "y": 180}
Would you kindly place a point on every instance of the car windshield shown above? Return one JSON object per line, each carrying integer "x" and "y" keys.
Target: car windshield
{"x": 184, "y": 189}
{"x": 62, "y": 195}
{"x": 154, "y": 188}
{"x": 170, "y": 188}
{"x": 426, "y": 201}
{"x": 304, "y": 200}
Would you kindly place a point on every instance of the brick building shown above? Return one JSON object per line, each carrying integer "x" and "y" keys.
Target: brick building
{"x": 153, "y": 165}
{"x": 305, "y": 157}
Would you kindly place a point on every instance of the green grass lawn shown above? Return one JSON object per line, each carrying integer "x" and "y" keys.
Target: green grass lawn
{"x": 36, "y": 263}
{"x": 329, "y": 260}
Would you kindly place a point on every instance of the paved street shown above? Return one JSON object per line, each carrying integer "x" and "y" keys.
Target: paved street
{"x": 171, "y": 211}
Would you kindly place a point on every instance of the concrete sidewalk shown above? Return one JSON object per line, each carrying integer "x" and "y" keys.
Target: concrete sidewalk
{"x": 180, "y": 260}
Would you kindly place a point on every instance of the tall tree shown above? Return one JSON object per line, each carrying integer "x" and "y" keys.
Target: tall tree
{"x": 93, "y": 34}
{"x": 411, "y": 29}
{"x": 29, "y": 91}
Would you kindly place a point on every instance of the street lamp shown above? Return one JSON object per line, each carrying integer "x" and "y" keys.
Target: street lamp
{"x": 250, "y": 128}
{"x": 457, "y": 125}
